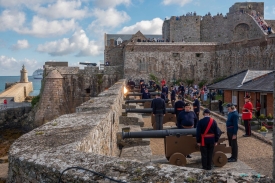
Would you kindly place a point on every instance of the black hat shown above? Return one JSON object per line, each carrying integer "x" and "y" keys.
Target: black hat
{"x": 206, "y": 111}
{"x": 229, "y": 105}
{"x": 247, "y": 96}
{"x": 187, "y": 104}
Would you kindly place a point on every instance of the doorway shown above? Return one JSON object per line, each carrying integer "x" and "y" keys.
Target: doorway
{"x": 263, "y": 101}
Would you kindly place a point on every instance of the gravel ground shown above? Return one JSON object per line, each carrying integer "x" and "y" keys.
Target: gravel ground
{"x": 253, "y": 152}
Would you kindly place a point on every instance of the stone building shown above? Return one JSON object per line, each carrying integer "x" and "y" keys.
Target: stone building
{"x": 196, "y": 49}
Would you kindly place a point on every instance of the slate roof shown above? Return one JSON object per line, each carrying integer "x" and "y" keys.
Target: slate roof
{"x": 126, "y": 37}
{"x": 248, "y": 80}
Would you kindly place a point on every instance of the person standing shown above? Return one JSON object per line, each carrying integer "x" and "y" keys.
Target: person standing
{"x": 179, "y": 107}
{"x": 173, "y": 96}
{"x": 146, "y": 94}
{"x": 159, "y": 110}
{"x": 187, "y": 118}
{"x": 5, "y": 104}
{"x": 156, "y": 87}
{"x": 165, "y": 90}
{"x": 196, "y": 107}
{"x": 163, "y": 82}
{"x": 207, "y": 138}
{"x": 258, "y": 108}
{"x": 232, "y": 129}
{"x": 247, "y": 115}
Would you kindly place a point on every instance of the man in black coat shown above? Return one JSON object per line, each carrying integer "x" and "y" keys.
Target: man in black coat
{"x": 187, "y": 118}
{"x": 207, "y": 136}
{"x": 179, "y": 107}
{"x": 159, "y": 110}
{"x": 173, "y": 96}
{"x": 146, "y": 94}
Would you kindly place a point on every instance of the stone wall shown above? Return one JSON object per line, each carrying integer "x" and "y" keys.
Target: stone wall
{"x": 198, "y": 61}
{"x": 87, "y": 134}
{"x": 14, "y": 117}
{"x": 219, "y": 28}
{"x": 185, "y": 60}
{"x": 247, "y": 7}
{"x": 183, "y": 28}
{"x": 86, "y": 139}
{"x": 233, "y": 27}
{"x": 73, "y": 86}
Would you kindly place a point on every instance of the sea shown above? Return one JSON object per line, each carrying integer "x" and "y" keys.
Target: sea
{"x": 10, "y": 79}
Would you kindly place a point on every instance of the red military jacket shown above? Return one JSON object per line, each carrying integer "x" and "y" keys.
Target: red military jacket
{"x": 247, "y": 112}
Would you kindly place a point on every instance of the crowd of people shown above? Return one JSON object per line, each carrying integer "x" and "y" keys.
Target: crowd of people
{"x": 261, "y": 22}
{"x": 207, "y": 130}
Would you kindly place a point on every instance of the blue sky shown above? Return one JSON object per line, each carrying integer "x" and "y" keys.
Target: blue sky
{"x": 35, "y": 31}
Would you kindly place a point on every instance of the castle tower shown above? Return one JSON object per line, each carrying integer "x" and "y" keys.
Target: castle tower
{"x": 52, "y": 101}
{"x": 24, "y": 75}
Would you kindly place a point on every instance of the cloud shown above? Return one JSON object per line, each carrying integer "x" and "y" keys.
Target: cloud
{"x": 43, "y": 28}
{"x": 19, "y": 3}
{"x": 62, "y": 9}
{"x": 79, "y": 42}
{"x": 11, "y": 20}
{"x": 21, "y": 44}
{"x": 10, "y": 65}
{"x": 177, "y": 2}
{"x": 107, "y": 19}
{"x": 145, "y": 26}
{"x": 112, "y": 3}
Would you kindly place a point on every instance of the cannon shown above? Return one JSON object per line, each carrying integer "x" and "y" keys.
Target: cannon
{"x": 146, "y": 102}
{"x": 138, "y": 90}
{"x": 139, "y": 94}
{"x": 169, "y": 116}
{"x": 179, "y": 143}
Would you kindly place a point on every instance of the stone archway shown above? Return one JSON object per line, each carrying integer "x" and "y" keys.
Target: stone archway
{"x": 241, "y": 32}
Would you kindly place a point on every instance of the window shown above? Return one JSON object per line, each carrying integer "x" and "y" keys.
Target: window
{"x": 199, "y": 55}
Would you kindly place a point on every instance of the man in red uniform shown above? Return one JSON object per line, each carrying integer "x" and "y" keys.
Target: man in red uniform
{"x": 163, "y": 82}
{"x": 5, "y": 103}
{"x": 247, "y": 115}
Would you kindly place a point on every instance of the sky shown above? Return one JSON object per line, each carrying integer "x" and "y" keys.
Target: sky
{"x": 35, "y": 31}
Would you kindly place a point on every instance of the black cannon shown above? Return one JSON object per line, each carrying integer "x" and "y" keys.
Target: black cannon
{"x": 159, "y": 133}
{"x": 142, "y": 101}
{"x": 148, "y": 110}
{"x": 179, "y": 143}
{"x": 146, "y": 102}
{"x": 139, "y": 94}
{"x": 138, "y": 90}
{"x": 169, "y": 116}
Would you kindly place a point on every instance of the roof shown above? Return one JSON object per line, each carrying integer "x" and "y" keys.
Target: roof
{"x": 54, "y": 74}
{"x": 125, "y": 37}
{"x": 248, "y": 80}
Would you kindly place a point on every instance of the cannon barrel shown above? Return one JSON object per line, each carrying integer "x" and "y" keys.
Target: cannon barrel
{"x": 138, "y": 90}
{"x": 139, "y": 94}
{"x": 142, "y": 101}
{"x": 147, "y": 110}
{"x": 159, "y": 133}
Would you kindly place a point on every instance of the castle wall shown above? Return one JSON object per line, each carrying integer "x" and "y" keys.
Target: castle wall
{"x": 114, "y": 55}
{"x": 184, "y": 28}
{"x": 198, "y": 61}
{"x": 247, "y": 7}
{"x": 185, "y": 61}
{"x": 271, "y": 23}
{"x": 234, "y": 27}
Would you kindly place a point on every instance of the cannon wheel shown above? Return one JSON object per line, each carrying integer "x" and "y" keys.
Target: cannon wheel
{"x": 219, "y": 159}
{"x": 177, "y": 159}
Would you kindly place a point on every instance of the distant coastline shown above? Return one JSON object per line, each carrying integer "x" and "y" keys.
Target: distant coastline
{"x": 10, "y": 79}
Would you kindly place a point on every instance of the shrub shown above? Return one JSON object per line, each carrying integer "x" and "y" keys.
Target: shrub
{"x": 35, "y": 100}
{"x": 269, "y": 116}
{"x": 154, "y": 78}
